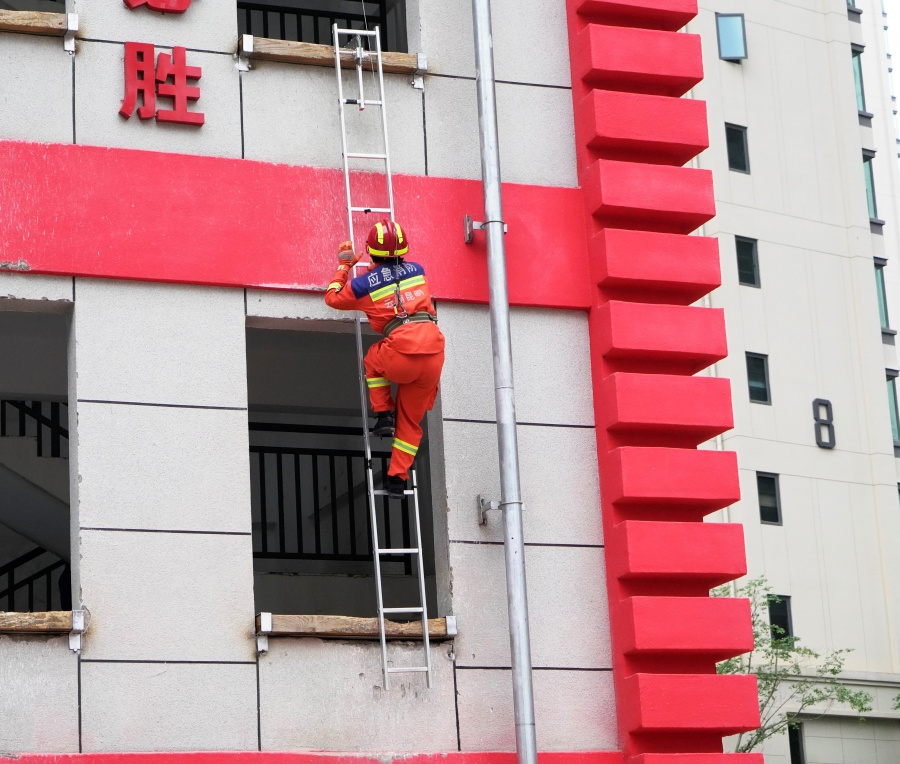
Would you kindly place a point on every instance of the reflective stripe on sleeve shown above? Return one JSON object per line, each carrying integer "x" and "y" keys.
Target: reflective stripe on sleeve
{"x": 402, "y": 445}
{"x": 336, "y": 285}
{"x": 377, "y": 382}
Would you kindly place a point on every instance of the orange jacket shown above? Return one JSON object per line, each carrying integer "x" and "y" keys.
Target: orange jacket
{"x": 385, "y": 292}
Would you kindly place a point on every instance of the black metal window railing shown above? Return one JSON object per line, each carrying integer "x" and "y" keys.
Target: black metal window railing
{"x": 311, "y": 504}
{"x": 44, "y": 420}
{"x": 281, "y": 21}
{"x": 31, "y": 583}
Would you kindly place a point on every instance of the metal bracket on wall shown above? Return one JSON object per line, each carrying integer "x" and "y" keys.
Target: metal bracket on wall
{"x": 262, "y": 637}
{"x": 485, "y": 506}
{"x": 78, "y": 628}
{"x": 69, "y": 36}
{"x": 473, "y": 225}
{"x": 245, "y": 48}
{"x": 418, "y": 79}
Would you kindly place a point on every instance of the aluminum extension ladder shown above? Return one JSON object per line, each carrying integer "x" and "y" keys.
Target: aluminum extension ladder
{"x": 362, "y": 55}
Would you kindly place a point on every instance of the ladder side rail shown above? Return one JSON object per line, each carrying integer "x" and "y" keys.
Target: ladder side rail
{"x": 340, "y": 84}
{"x": 426, "y": 641}
{"x": 384, "y": 126}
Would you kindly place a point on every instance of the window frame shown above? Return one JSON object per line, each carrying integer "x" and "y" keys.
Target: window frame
{"x": 871, "y": 198}
{"x": 732, "y": 59}
{"x": 743, "y": 131}
{"x": 789, "y": 622}
{"x": 775, "y": 478}
{"x": 884, "y": 315}
{"x": 891, "y": 378}
{"x": 765, "y": 360}
{"x": 754, "y": 243}
{"x": 859, "y": 82}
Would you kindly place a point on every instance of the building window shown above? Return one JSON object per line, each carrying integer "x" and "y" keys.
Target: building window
{"x": 769, "y": 499}
{"x": 758, "y": 377}
{"x": 780, "y": 616}
{"x": 311, "y": 20}
{"x": 870, "y": 185}
{"x": 858, "y": 79}
{"x": 748, "y": 261}
{"x": 738, "y": 153}
{"x": 892, "y": 404}
{"x": 732, "y": 36}
{"x": 795, "y": 743}
{"x": 851, "y": 3}
{"x": 882, "y": 293}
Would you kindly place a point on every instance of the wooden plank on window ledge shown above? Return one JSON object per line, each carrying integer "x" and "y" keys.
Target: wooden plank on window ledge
{"x": 291, "y": 52}
{"x": 33, "y": 22}
{"x": 348, "y": 627}
{"x": 51, "y": 622}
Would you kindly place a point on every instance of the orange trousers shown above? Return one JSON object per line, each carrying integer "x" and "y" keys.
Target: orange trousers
{"x": 416, "y": 377}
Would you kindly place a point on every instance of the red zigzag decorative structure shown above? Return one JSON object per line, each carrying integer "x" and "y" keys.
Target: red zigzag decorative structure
{"x": 630, "y": 67}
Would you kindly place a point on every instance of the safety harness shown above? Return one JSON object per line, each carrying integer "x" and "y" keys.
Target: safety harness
{"x": 418, "y": 317}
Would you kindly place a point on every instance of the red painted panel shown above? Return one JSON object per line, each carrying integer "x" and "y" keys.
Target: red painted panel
{"x": 725, "y": 704}
{"x": 658, "y": 267}
{"x": 659, "y": 337}
{"x": 698, "y": 758}
{"x": 643, "y": 128}
{"x": 655, "y": 14}
{"x": 711, "y": 553}
{"x": 653, "y": 477}
{"x": 683, "y": 410}
{"x": 715, "y": 627}
{"x": 647, "y": 196}
{"x": 232, "y": 222}
{"x": 637, "y": 60}
{"x": 253, "y": 757}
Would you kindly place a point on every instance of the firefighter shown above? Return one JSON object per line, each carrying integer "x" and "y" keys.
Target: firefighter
{"x": 395, "y": 297}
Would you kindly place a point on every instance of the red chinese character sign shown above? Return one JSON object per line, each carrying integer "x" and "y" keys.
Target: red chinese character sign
{"x": 167, "y": 79}
{"x": 163, "y": 6}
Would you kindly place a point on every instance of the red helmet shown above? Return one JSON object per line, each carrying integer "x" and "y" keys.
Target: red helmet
{"x": 387, "y": 239}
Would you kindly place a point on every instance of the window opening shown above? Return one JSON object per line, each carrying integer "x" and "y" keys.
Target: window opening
{"x": 34, "y": 466}
{"x": 780, "y": 616}
{"x": 892, "y": 404}
{"x": 882, "y": 293}
{"x": 758, "y": 377}
{"x": 795, "y": 744}
{"x": 769, "y": 498}
{"x": 45, "y": 6}
{"x": 748, "y": 261}
{"x": 732, "y": 36}
{"x": 858, "y": 80}
{"x": 312, "y": 536}
{"x": 870, "y": 186}
{"x": 738, "y": 151}
{"x": 311, "y": 20}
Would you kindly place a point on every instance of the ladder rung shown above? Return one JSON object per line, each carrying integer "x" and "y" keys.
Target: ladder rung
{"x": 381, "y": 492}
{"x": 417, "y": 669}
{"x": 398, "y": 551}
{"x": 354, "y": 32}
{"x": 360, "y": 155}
{"x": 401, "y": 610}
{"x": 366, "y": 102}
{"x": 370, "y": 209}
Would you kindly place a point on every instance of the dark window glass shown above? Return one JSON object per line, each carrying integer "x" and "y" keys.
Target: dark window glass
{"x": 795, "y": 738}
{"x": 780, "y": 616}
{"x": 870, "y": 186}
{"x": 758, "y": 377}
{"x": 882, "y": 295}
{"x": 892, "y": 403}
{"x": 732, "y": 36}
{"x": 736, "y": 142}
{"x": 748, "y": 261}
{"x": 769, "y": 501}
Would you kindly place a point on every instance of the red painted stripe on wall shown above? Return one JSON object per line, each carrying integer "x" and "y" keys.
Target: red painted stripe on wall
{"x": 253, "y": 757}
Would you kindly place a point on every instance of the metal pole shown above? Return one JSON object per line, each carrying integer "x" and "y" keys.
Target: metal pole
{"x": 504, "y": 394}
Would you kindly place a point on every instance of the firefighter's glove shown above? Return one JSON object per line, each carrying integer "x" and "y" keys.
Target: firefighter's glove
{"x": 346, "y": 257}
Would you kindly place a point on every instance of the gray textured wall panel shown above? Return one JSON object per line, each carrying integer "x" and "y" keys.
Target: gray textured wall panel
{"x": 168, "y": 707}
{"x": 559, "y": 476}
{"x": 168, "y": 596}
{"x": 38, "y": 695}
{"x": 327, "y": 695}
{"x": 265, "y": 303}
{"x": 574, "y": 710}
{"x": 187, "y": 468}
{"x": 551, "y": 362}
{"x": 36, "y": 89}
{"x": 156, "y": 343}
{"x": 567, "y": 605}
{"x": 291, "y": 116}
{"x": 205, "y": 25}
{"x": 100, "y": 87}
{"x": 30, "y": 286}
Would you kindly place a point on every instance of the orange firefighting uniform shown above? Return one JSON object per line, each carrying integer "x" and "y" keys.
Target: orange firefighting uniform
{"x": 411, "y": 355}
